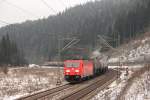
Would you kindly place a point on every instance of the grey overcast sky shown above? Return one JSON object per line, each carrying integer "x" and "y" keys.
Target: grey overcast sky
{"x": 16, "y": 11}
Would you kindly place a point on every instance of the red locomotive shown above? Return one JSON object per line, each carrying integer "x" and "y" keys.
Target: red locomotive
{"x": 76, "y": 70}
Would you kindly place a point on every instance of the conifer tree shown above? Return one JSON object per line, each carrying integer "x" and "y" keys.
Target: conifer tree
{"x": 9, "y": 52}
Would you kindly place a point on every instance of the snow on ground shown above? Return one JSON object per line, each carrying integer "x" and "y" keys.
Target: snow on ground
{"x": 110, "y": 93}
{"x": 113, "y": 60}
{"x": 135, "y": 51}
{"x": 131, "y": 67}
{"x": 23, "y": 81}
{"x": 140, "y": 89}
{"x": 115, "y": 88}
{"x": 138, "y": 50}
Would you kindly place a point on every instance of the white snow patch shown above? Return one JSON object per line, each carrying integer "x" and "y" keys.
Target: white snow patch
{"x": 140, "y": 89}
{"x": 113, "y": 84}
{"x": 129, "y": 67}
{"x": 139, "y": 51}
{"x": 33, "y": 65}
{"x": 113, "y": 89}
{"x": 10, "y": 97}
{"x": 113, "y": 60}
{"x": 23, "y": 81}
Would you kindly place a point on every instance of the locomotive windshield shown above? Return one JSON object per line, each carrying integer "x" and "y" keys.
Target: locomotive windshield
{"x": 72, "y": 64}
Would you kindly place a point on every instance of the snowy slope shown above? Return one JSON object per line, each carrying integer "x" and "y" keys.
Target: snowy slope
{"x": 135, "y": 51}
{"x": 140, "y": 89}
{"x": 113, "y": 89}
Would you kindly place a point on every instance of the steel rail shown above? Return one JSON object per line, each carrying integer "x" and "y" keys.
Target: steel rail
{"x": 83, "y": 86}
{"x": 76, "y": 95}
{"x": 93, "y": 93}
{"x": 40, "y": 94}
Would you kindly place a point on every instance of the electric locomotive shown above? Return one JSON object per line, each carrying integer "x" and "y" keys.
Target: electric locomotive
{"x": 78, "y": 68}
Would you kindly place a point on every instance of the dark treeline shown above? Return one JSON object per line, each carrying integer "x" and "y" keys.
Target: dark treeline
{"x": 9, "y": 53}
{"x": 124, "y": 19}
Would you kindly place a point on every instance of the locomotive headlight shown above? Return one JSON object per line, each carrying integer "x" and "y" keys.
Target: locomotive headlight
{"x": 67, "y": 71}
{"x": 76, "y": 71}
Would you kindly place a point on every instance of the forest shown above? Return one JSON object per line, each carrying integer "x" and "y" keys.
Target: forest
{"x": 10, "y": 55}
{"x": 122, "y": 20}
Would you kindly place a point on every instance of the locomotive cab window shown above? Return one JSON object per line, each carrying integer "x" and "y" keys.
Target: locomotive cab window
{"x": 72, "y": 64}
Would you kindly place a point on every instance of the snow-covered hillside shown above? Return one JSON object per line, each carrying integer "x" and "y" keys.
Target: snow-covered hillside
{"x": 135, "y": 51}
{"x": 134, "y": 86}
{"x": 138, "y": 89}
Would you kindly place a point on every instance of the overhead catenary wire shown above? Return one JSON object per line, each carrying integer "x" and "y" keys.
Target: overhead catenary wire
{"x": 106, "y": 43}
{"x": 4, "y": 22}
{"x": 62, "y": 3}
{"x": 47, "y": 5}
{"x": 21, "y": 9}
{"x": 71, "y": 43}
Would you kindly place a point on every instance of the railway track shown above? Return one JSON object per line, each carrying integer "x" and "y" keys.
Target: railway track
{"x": 73, "y": 92}
{"x": 45, "y": 93}
{"x": 87, "y": 92}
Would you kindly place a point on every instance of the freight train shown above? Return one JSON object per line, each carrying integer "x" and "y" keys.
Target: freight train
{"x": 77, "y": 70}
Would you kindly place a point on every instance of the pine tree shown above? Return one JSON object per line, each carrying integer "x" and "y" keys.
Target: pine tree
{"x": 9, "y": 53}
